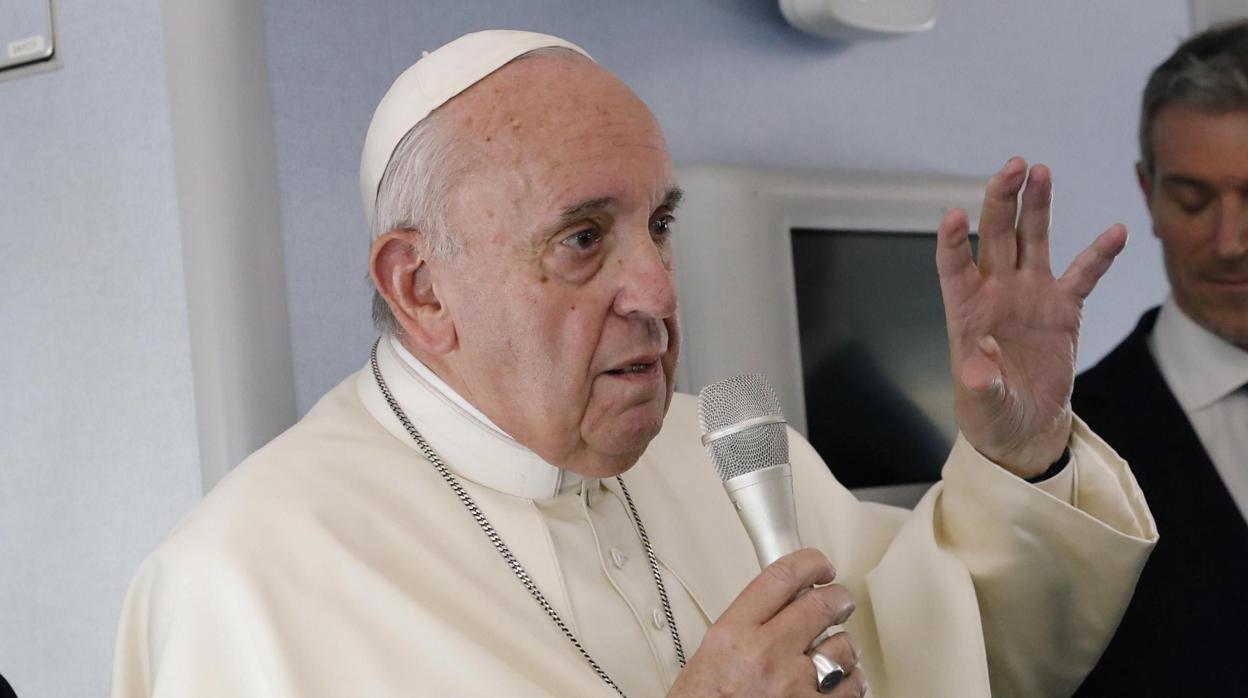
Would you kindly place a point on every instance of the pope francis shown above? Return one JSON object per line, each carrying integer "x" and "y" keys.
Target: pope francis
{"x": 509, "y": 500}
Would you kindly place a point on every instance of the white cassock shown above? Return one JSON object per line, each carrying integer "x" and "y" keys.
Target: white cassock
{"x": 335, "y": 561}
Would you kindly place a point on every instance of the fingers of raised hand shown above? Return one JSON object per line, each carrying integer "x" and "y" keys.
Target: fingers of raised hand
{"x": 778, "y": 584}
{"x": 1033, "y": 220}
{"x": 953, "y": 247}
{"x": 1091, "y": 264}
{"x": 981, "y": 373}
{"x": 998, "y": 243}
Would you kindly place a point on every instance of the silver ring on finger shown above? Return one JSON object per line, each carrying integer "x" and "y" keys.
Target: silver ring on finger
{"x": 828, "y": 673}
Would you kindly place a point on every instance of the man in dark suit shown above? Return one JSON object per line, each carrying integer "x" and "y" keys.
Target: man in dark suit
{"x": 1172, "y": 398}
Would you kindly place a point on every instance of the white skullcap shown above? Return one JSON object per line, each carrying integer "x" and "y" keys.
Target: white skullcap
{"x": 430, "y": 83}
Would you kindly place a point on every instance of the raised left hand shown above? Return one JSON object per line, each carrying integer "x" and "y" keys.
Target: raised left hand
{"x": 1013, "y": 327}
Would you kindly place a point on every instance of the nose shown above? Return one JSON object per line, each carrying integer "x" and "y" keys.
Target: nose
{"x": 647, "y": 285}
{"x": 1232, "y": 240}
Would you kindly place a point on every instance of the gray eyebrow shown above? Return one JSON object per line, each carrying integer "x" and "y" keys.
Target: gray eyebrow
{"x": 583, "y": 208}
{"x": 580, "y": 209}
{"x": 675, "y": 195}
{"x": 1186, "y": 180}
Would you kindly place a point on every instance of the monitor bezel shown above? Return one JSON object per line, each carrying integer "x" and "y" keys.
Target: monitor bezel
{"x": 734, "y": 266}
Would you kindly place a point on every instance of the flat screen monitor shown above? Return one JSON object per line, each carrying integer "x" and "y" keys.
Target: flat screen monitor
{"x": 864, "y": 251}
{"x": 874, "y": 354}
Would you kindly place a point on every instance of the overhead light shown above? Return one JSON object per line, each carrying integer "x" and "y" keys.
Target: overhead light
{"x": 860, "y": 19}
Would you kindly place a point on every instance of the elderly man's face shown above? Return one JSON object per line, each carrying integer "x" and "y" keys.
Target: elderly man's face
{"x": 562, "y": 295}
{"x": 1198, "y": 197}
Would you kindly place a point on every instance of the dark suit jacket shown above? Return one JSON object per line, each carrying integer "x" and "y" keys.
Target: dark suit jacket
{"x": 1186, "y": 630}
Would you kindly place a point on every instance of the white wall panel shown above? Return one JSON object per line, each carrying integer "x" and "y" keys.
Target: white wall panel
{"x": 98, "y": 450}
{"x": 222, "y": 125}
{"x": 144, "y": 341}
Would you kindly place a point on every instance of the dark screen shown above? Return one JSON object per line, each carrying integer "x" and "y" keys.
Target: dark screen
{"x": 875, "y": 357}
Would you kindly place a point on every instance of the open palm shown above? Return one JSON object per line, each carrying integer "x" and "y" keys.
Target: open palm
{"x": 1013, "y": 327}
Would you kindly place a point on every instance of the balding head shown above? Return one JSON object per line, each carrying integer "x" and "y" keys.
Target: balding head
{"x": 554, "y": 312}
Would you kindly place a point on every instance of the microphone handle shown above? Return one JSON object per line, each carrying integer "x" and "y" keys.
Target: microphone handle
{"x": 764, "y": 501}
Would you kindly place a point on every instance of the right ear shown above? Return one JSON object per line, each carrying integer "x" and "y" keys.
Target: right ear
{"x": 1145, "y": 179}
{"x": 400, "y": 272}
{"x": 1146, "y": 183}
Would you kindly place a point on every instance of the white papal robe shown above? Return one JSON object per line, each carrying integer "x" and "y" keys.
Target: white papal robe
{"x": 335, "y": 561}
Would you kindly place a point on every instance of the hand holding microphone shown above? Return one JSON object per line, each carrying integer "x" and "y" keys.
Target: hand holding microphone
{"x": 757, "y": 648}
{"x": 761, "y": 645}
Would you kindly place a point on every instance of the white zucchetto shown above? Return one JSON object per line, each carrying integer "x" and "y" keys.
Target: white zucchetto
{"x": 431, "y": 82}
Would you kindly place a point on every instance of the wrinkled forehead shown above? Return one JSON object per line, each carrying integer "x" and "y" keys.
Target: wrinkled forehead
{"x": 557, "y": 128}
{"x": 550, "y": 99}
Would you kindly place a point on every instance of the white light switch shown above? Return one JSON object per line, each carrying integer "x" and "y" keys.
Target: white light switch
{"x": 25, "y": 32}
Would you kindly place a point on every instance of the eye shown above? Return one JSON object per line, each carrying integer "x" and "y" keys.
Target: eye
{"x": 1192, "y": 199}
{"x": 1193, "y": 205}
{"x": 583, "y": 240}
{"x": 661, "y": 226}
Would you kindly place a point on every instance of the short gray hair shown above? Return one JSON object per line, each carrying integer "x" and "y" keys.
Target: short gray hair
{"x": 413, "y": 195}
{"x": 414, "y": 191}
{"x": 1208, "y": 71}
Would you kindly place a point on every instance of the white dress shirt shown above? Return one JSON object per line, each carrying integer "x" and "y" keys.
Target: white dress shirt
{"x": 1209, "y": 377}
{"x": 435, "y": 381}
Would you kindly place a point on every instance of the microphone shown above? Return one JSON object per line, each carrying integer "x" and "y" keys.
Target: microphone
{"x": 743, "y": 431}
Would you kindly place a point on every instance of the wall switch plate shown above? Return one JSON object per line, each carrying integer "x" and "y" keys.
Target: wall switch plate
{"x": 26, "y": 33}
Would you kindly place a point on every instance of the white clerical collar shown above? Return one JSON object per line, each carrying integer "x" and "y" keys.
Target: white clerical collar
{"x": 1200, "y": 367}
{"x": 472, "y": 446}
{"x": 440, "y": 385}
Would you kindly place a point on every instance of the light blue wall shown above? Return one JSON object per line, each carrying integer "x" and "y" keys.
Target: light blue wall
{"x": 731, "y": 82}
{"x": 97, "y": 426}
{"x": 98, "y": 443}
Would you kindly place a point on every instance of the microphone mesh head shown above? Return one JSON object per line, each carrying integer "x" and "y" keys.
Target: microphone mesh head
{"x": 733, "y": 401}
